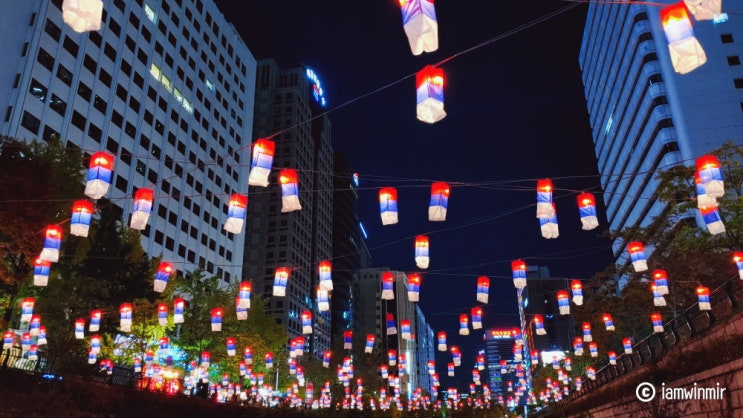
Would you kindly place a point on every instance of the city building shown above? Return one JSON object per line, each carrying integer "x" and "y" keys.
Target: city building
{"x": 498, "y": 344}
{"x": 289, "y": 109}
{"x": 425, "y": 350}
{"x": 646, "y": 117}
{"x": 350, "y": 251}
{"x": 166, "y": 87}
{"x": 540, "y": 298}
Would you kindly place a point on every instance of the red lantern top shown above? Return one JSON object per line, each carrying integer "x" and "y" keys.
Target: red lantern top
{"x": 635, "y": 247}
{"x": 538, "y": 319}
{"x": 287, "y": 176}
{"x": 738, "y": 257}
{"x": 388, "y": 277}
{"x": 655, "y": 316}
{"x": 102, "y": 159}
{"x": 414, "y": 278}
{"x": 144, "y": 194}
{"x": 161, "y": 307}
{"x": 53, "y": 231}
{"x": 517, "y": 265}
{"x": 703, "y": 291}
{"x": 239, "y": 200}
{"x": 125, "y": 308}
{"x": 431, "y": 75}
{"x": 586, "y": 199}
{"x": 440, "y": 187}
{"x": 82, "y": 206}
{"x": 306, "y": 315}
{"x": 421, "y": 241}
{"x": 660, "y": 274}
{"x": 463, "y": 319}
{"x": 245, "y": 286}
{"x": 562, "y": 295}
{"x": 576, "y": 285}
{"x": 264, "y": 146}
{"x": 216, "y": 312}
{"x": 544, "y": 185}
{"x": 325, "y": 266}
{"x": 587, "y": 326}
{"x": 606, "y": 317}
{"x": 166, "y": 268}
{"x": 387, "y": 193}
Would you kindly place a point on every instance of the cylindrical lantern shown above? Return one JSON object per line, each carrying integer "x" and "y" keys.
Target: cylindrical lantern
{"x": 369, "y": 347}
{"x": 637, "y": 256}
{"x": 577, "y": 288}
{"x": 289, "y": 190}
{"x": 164, "y": 270}
{"x": 242, "y": 313}
{"x": 703, "y": 298}
{"x": 391, "y": 327}
{"x": 612, "y": 358}
{"x": 420, "y": 25}
{"x": 421, "y": 251}
{"x": 713, "y": 219}
{"x": 41, "y": 339}
{"x": 464, "y": 325}
{"x": 261, "y": 163}
{"x": 306, "y": 322}
{"x": 142, "y": 208}
{"x": 326, "y": 356}
{"x": 52, "y": 244}
{"x": 430, "y": 93}
{"x": 95, "y": 320}
{"x": 518, "y": 268}
{"x": 587, "y": 211}
{"x": 388, "y": 284}
{"x": 392, "y": 357}
{"x": 608, "y": 321}
{"x": 578, "y": 346}
{"x": 439, "y": 202}
{"x": 280, "y": 281}
{"x": 236, "y": 213}
{"x": 587, "y": 337}
{"x": 34, "y": 325}
{"x": 179, "y": 308}
{"x": 325, "y": 269}
{"x": 710, "y": 175}
{"x": 27, "y": 309}
{"x": 100, "y": 173}
{"x": 539, "y": 325}
{"x": 450, "y": 369}
{"x": 405, "y": 330}
{"x": 248, "y": 356}
{"x": 162, "y": 314}
{"x": 685, "y": 50}
{"x": 231, "y": 346}
{"x": 80, "y": 329}
{"x": 545, "y": 209}
{"x": 476, "y": 313}
{"x": 347, "y": 339}
{"x": 657, "y": 321}
{"x": 41, "y": 272}
{"x": 388, "y": 205}
{"x": 323, "y": 300}
{"x": 563, "y": 302}
{"x": 483, "y": 288}
{"x": 82, "y": 214}
{"x": 243, "y": 294}
{"x": 627, "y": 344}
{"x": 95, "y": 343}
{"x": 414, "y": 287}
{"x": 216, "y": 315}
{"x": 441, "y": 336}
{"x": 125, "y": 321}
{"x": 660, "y": 280}
{"x": 206, "y": 359}
{"x": 268, "y": 357}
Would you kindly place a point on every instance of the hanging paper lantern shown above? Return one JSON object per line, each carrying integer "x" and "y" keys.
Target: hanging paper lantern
{"x": 534, "y": 356}
{"x": 608, "y": 321}
{"x": 518, "y": 267}
{"x": 483, "y": 287}
{"x": 41, "y": 339}
{"x": 206, "y": 359}
{"x": 685, "y": 51}
{"x": 556, "y": 363}
{"x": 34, "y": 324}
{"x": 388, "y": 205}
{"x": 231, "y": 346}
{"x": 323, "y": 300}
{"x": 125, "y": 321}
{"x": 549, "y": 227}
{"x": 475, "y": 379}
{"x": 539, "y": 325}
{"x": 142, "y": 208}
{"x": 326, "y": 356}
{"x": 517, "y": 353}
{"x": 703, "y": 199}
{"x": 435, "y": 381}
{"x": 476, "y": 313}
{"x": 545, "y": 208}
{"x": 162, "y": 314}
{"x": 591, "y": 372}
{"x": 164, "y": 270}
{"x": 405, "y": 332}
{"x": 268, "y": 357}
{"x": 421, "y": 251}
{"x": 392, "y": 357}
{"x": 627, "y": 344}
{"x": 41, "y": 272}
{"x": 578, "y": 346}
{"x": 325, "y": 275}
{"x": 738, "y": 259}
{"x": 241, "y": 313}
{"x": 414, "y": 286}
{"x": 306, "y": 322}
{"x": 577, "y": 289}
{"x": 480, "y": 360}
{"x": 568, "y": 364}
{"x": 391, "y": 328}
{"x": 95, "y": 321}
{"x": 587, "y": 211}
{"x": 83, "y": 15}
{"x": 637, "y": 256}
{"x": 369, "y": 348}
{"x": 95, "y": 343}
{"x": 80, "y": 329}
{"x": 657, "y": 320}
{"x": 563, "y": 302}
{"x": 164, "y": 345}
{"x": 660, "y": 280}
{"x": 137, "y": 364}
{"x": 464, "y": 325}
{"x": 149, "y": 357}
{"x": 281, "y": 278}
{"x": 578, "y": 383}
{"x": 658, "y": 299}
{"x": 100, "y": 172}
{"x": 430, "y": 94}
{"x": 248, "y": 356}
{"x": 243, "y": 294}
{"x": 289, "y": 190}
{"x": 236, "y": 213}
{"x": 82, "y": 213}
{"x": 92, "y": 357}
{"x": 52, "y": 244}
{"x": 710, "y": 175}
{"x": 587, "y": 337}
{"x": 260, "y": 166}
{"x": 703, "y": 297}
{"x": 179, "y": 308}
{"x": 593, "y": 348}
{"x": 612, "y": 358}
{"x": 712, "y": 219}
{"x": 456, "y": 355}
{"x": 347, "y": 339}
{"x": 421, "y": 27}
{"x": 27, "y": 309}
{"x": 26, "y": 341}
{"x": 450, "y": 369}
{"x": 439, "y": 202}
{"x": 388, "y": 283}
{"x": 441, "y": 340}
{"x": 216, "y": 315}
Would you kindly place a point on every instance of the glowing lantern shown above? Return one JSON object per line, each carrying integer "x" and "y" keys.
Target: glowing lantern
{"x": 450, "y": 369}
{"x": 323, "y": 300}
{"x": 563, "y": 302}
{"x": 241, "y": 313}
{"x": 712, "y": 219}
{"x": 206, "y": 359}
{"x": 100, "y": 172}
{"x": 608, "y": 322}
{"x": 95, "y": 321}
{"x": 369, "y": 348}
{"x": 142, "y": 208}
{"x": 686, "y": 52}
{"x": 549, "y": 227}
{"x": 179, "y": 308}
{"x": 125, "y": 317}
{"x": 703, "y": 297}
{"x": 545, "y": 208}
{"x": 568, "y": 364}
{"x": 34, "y": 325}
{"x": 347, "y": 339}
{"x": 26, "y": 340}
{"x": 83, "y": 15}
{"x": 612, "y": 358}
{"x": 41, "y": 272}
{"x": 391, "y": 328}
{"x": 80, "y": 329}
{"x": 441, "y": 340}
{"x": 326, "y": 356}
{"x": 577, "y": 289}
{"x": 289, "y": 190}
{"x": 414, "y": 287}
{"x": 421, "y": 251}
{"x": 27, "y": 309}
{"x": 710, "y": 175}
{"x": 476, "y": 313}
{"x": 627, "y": 344}
{"x": 405, "y": 329}
{"x": 82, "y": 213}
{"x": 439, "y": 201}
{"x": 587, "y": 211}
{"x": 41, "y": 339}
{"x": 162, "y": 314}
{"x": 660, "y": 280}
{"x": 92, "y": 357}
{"x": 164, "y": 270}
{"x": 280, "y": 280}
{"x": 306, "y": 322}
{"x": 539, "y": 325}
{"x": 269, "y": 360}
{"x": 534, "y": 356}
{"x": 591, "y": 372}
{"x": 464, "y": 325}
{"x": 456, "y": 355}
{"x": 392, "y": 357}
{"x": 236, "y": 213}
{"x": 95, "y": 343}
{"x": 578, "y": 383}
{"x": 578, "y": 346}
{"x": 738, "y": 259}
{"x": 430, "y": 94}
{"x": 388, "y": 205}
{"x": 587, "y": 337}
{"x": 421, "y": 27}
{"x": 658, "y": 299}
{"x": 637, "y": 256}
{"x": 231, "y": 346}
{"x": 248, "y": 356}
{"x": 52, "y": 244}
{"x": 518, "y": 267}
{"x": 243, "y": 294}
{"x": 657, "y": 320}
{"x": 703, "y": 199}
{"x": 149, "y": 357}
{"x": 480, "y": 362}
{"x": 517, "y": 353}
{"x": 556, "y": 363}
{"x": 388, "y": 282}
{"x": 483, "y": 287}
{"x": 325, "y": 275}
{"x": 164, "y": 345}
{"x": 216, "y": 315}
{"x": 593, "y": 348}
{"x": 260, "y": 166}
{"x": 475, "y": 377}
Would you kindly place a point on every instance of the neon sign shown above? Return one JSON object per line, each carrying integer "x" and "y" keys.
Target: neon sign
{"x": 317, "y": 90}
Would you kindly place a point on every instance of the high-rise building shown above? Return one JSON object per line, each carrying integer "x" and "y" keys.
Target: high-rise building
{"x": 166, "y": 87}
{"x": 499, "y": 346}
{"x": 540, "y": 296}
{"x": 425, "y": 350}
{"x": 288, "y": 109}
{"x": 350, "y": 251}
{"x": 645, "y": 116}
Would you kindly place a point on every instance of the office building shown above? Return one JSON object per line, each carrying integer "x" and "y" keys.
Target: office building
{"x": 165, "y": 86}
{"x": 540, "y": 297}
{"x": 288, "y": 108}
{"x": 644, "y": 116}
{"x": 499, "y": 346}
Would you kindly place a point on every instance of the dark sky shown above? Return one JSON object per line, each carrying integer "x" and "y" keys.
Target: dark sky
{"x": 516, "y": 113}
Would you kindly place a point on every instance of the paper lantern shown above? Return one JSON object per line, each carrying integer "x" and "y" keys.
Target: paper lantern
{"x": 577, "y": 289}
{"x": 248, "y": 356}
{"x": 164, "y": 270}
{"x": 236, "y": 213}
{"x": 95, "y": 320}
{"x": 325, "y": 268}
{"x": 268, "y": 357}
{"x": 430, "y": 94}
{"x": 216, "y": 315}
{"x": 534, "y": 357}
{"x": 92, "y": 357}
{"x": 637, "y": 256}
{"x": 480, "y": 360}
{"x": 587, "y": 337}
{"x": 703, "y": 298}
{"x": 545, "y": 207}
{"x": 710, "y": 175}
{"x": 206, "y": 358}
{"x": 347, "y": 339}
{"x": 95, "y": 343}
{"x": 539, "y": 325}
{"x": 657, "y": 320}
{"x": 162, "y": 314}
{"x": 262, "y": 160}
{"x": 587, "y": 211}
{"x": 464, "y": 325}
{"x": 388, "y": 205}
{"x": 549, "y": 227}
{"x": 578, "y": 346}
{"x": 26, "y": 340}
{"x": 369, "y": 347}
{"x": 439, "y": 202}
{"x": 323, "y": 300}
{"x": 142, "y": 208}
{"x": 306, "y": 322}
{"x": 27, "y": 309}
{"x": 658, "y": 299}
{"x": 518, "y": 268}
{"x": 34, "y": 324}
{"x": 280, "y": 281}
{"x": 556, "y": 363}
{"x": 563, "y": 302}
{"x": 627, "y": 344}
{"x": 388, "y": 284}
{"x": 517, "y": 353}
{"x": 149, "y": 357}
{"x": 41, "y": 272}
{"x": 100, "y": 173}
{"x": 703, "y": 199}
{"x": 231, "y": 346}
{"x": 413, "y": 287}
{"x": 243, "y": 295}
{"x": 52, "y": 244}
{"x": 568, "y": 364}
{"x": 179, "y": 308}
{"x": 738, "y": 260}
{"x": 421, "y": 27}
{"x": 241, "y": 313}
{"x": 164, "y": 345}
{"x": 435, "y": 381}
{"x": 476, "y": 314}
{"x": 712, "y": 219}
{"x": 475, "y": 378}
{"x": 326, "y": 356}
{"x": 405, "y": 332}
{"x": 483, "y": 287}
{"x": 450, "y": 369}
{"x": 392, "y": 357}
{"x": 578, "y": 383}
{"x": 41, "y": 339}
{"x": 612, "y": 358}
{"x": 421, "y": 251}
{"x": 391, "y": 327}
{"x": 685, "y": 51}
{"x": 125, "y": 317}
{"x": 441, "y": 336}
{"x": 83, "y": 15}
{"x": 660, "y": 280}
{"x": 590, "y": 372}
{"x": 289, "y": 190}
{"x": 80, "y": 329}
{"x": 608, "y": 321}
{"x": 82, "y": 213}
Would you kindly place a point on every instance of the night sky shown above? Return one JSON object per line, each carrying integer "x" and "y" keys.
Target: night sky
{"x": 516, "y": 113}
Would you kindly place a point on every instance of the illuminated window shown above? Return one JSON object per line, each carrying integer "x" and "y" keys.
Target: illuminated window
{"x": 178, "y": 95}
{"x": 166, "y": 83}
{"x": 187, "y": 106}
{"x": 150, "y": 13}
{"x": 155, "y": 71}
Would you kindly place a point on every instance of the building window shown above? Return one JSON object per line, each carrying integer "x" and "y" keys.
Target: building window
{"x": 121, "y": 183}
{"x": 37, "y": 90}
{"x": 733, "y": 60}
{"x": 53, "y": 30}
{"x": 738, "y": 83}
{"x": 95, "y": 132}
{"x": 84, "y": 91}
{"x": 726, "y": 38}
{"x": 78, "y": 120}
{"x": 70, "y": 46}
{"x": 64, "y": 74}
{"x": 58, "y": 105}
{"x": 100, "y": 104}
{"x": 45, "y": 59}
{"x": 30, "y": 122}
